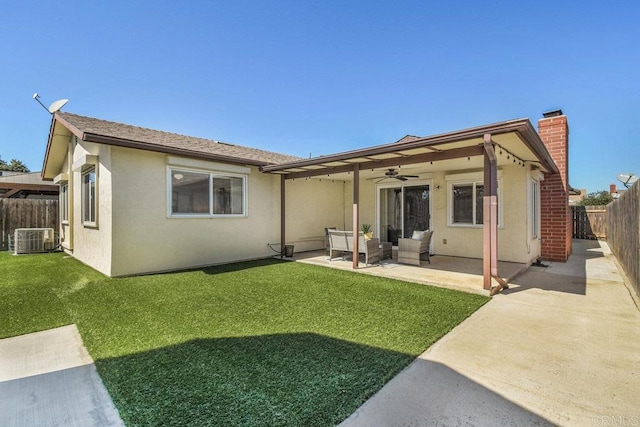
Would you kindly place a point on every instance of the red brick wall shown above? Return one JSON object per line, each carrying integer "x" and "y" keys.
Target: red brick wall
{"x": 556, "y": 218}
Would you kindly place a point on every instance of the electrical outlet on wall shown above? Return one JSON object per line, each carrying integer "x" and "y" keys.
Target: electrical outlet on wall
{"x": 444, "y": 241}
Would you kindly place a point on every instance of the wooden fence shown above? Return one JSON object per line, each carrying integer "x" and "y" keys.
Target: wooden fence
{"x": 624, "y": 233}
{"x": 26, "y": 213}
{"x": 589, "y": 222}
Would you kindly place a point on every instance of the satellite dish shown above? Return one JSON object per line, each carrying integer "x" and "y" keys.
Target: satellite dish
{"x": 628, "y": 179}
{"x": 56, "y": 105}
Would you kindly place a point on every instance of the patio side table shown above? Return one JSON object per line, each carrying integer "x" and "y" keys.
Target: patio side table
{"x": 387, "y": 250}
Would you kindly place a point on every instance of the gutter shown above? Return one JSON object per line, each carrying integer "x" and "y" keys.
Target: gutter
{"x": 119, "y": 142}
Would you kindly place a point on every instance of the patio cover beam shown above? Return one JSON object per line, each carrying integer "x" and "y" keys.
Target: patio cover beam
{"x": 454, "y": 153}
{"x": 356, "y": 214}
{"x": 490, "y": 218}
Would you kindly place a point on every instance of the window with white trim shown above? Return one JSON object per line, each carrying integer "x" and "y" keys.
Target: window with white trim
{"x": 535, "y": 203}
{"x": 466, "y": 203}
{"x": 64, "y": 202}
{"x": 88, "y": 197}
{"x": 189, "y": 193}
{"x": 197, "y": 193}
{"x": 228, "y": 196}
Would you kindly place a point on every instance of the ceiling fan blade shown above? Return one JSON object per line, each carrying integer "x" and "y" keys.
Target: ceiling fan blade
{"x": 400, "y": 178}
{"x": 411, "y": 176}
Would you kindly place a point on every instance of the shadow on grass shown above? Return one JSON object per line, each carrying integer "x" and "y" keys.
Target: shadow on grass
{"x": 239, "y": 266}
{"x": 285, "y": 379}
{"x": 296, "y": 379}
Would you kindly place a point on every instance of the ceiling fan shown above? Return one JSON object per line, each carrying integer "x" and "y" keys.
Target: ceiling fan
{"x": 392, "y": 173}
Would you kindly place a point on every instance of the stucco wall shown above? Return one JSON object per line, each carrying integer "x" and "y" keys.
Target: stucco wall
{"x": 514, "y": 242}
{"x": 311, "y": 206}
{"x": 92, "y": 245}
{"x": 145, "y": 239}
{"x": 367, "y": 205}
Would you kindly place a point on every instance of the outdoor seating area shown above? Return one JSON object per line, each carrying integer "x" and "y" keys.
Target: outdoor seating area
{"x": 409, "y": 250}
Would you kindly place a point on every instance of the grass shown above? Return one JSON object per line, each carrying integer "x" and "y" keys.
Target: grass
{"x": 257, "y": 343}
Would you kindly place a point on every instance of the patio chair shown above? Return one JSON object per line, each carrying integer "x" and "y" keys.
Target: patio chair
{"x": 342, "y": 241}
{"x": 327, "y": 244}
{"x": 411, "y": 250}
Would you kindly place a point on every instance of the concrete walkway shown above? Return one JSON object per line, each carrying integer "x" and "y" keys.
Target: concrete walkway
{"x": 48, "y": 379}
{"x": 561, "y": 346}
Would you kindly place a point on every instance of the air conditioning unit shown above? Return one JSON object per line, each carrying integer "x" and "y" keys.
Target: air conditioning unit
{"x": 33, "y": 240}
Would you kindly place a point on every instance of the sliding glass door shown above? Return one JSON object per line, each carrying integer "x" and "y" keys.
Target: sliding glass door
{"x": 390, "y": 214}
{"x": 402, "y": 209}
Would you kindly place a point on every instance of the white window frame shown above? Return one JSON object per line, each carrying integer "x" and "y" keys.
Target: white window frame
{"x": 534, "y": 210}
{"x": 86, "y": 192}
{"x": 64, "y": 202}
{"x": 472, "y": 179}
{"x": 212, "y": 176}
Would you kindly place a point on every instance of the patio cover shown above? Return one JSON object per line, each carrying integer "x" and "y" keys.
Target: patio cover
{"x": 477, "y": 146}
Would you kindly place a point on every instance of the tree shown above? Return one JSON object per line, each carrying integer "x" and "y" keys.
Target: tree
{"x": 14, "y": 166}
{"x": 598, "y": 198}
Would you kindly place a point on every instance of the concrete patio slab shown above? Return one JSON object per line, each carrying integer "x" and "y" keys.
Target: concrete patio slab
{"x": 560, "y": 346}
{"x": 461, "y": 274}
{"x": 47, "y": 378}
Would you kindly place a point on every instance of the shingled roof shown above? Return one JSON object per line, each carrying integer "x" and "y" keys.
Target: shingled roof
{"x": 113, "y": 133}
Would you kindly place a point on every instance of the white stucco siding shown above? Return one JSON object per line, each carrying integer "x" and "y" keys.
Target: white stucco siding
{"x": 311, "y": 206}
{"x": 366, "y": 206}
{"x": 514, "y": 243}
{"x": 146, "y": 239}
{"x": 92, "y": 244}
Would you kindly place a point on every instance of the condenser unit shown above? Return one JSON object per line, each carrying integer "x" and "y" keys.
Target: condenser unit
{"x": 33, "y": 240}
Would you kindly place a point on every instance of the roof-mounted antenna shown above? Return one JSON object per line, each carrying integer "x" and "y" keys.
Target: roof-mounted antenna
{"x": 55, "y": 105}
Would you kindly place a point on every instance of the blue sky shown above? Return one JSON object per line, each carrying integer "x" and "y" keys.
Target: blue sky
{"x": 319, "y": 77}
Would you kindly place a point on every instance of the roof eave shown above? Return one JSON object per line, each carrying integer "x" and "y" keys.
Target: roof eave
{"x": 120, "y": 142}
{"x": 51, "y": 140}
{"x": 48, "y": 149}
{"x": 532, "y": 140}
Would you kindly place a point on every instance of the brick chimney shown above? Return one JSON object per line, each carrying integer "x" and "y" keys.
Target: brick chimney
{"x": 613, "y": 189}
{"x": 556, "y": 219}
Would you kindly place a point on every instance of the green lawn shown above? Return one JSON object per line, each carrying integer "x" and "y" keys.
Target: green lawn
{"x": 256, "y": 343}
